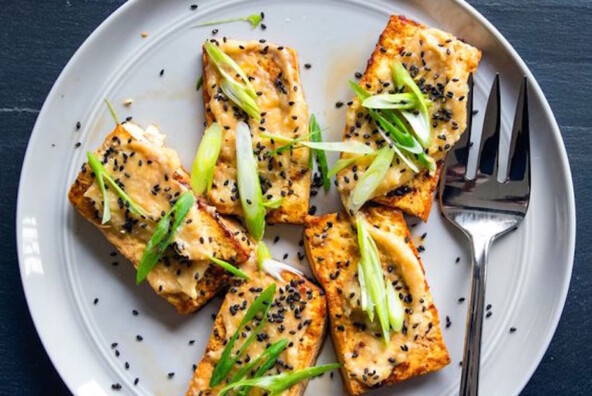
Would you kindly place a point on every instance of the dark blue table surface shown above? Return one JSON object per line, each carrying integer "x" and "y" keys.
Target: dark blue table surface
{"x": 37, "y": 38}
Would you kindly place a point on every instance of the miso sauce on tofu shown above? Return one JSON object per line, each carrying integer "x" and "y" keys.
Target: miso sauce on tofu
{"x": 273, "y": 72}
{"x": 331, "y": 245}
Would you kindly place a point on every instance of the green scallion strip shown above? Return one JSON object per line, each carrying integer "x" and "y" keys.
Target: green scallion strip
{"x": 268, "y": 357}
{"x": 202, "y": 172}
{"x": 230, "y": 268}
{"x": 371, "y": 179}
{"x": 373, "y": 276}
{"x": 237, "y": 94}
{"x": 163, "y": 234}
{"x": 317, "y": 137}
{"x": 396, "y": 311}
{"x": 226, "y": 64}
{"x": 261, "y": 305}
{"x": 399, "y": 135}
{"x": 249, "y": 187}
{"x": 199, "y": 83}
{"x": 401, "y": 101}
{"x": 276, "y": 384}
{"x": 112, "y": 112}
{"x": 420, "y": 122}
{"x": 273, "y": 203}
{"x": 97, "y": 169}
{"x": 253, "y": 19}
{"x": 102, "y": 177}
{"x": 350, "y": 146}
{"x": 276, "y": 138}
{"x": 263, "y": 254}
{"x": 288, "y": 143}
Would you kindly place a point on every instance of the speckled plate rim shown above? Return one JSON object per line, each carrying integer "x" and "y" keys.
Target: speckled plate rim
{"x": 562, "y": 162}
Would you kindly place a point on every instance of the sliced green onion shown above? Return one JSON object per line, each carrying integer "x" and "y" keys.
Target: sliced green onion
{"x": 223, "y": 62}
{"x": 253, "y": 19}
{"x": 276, "y": 384}
{"x": 202, "y": 172}
{"x": 366, "y": 302}
{"x": 276, "y": 138}
{"x": 261, "y": 305}
{"x": 112, "y": 111}
{"x": 317, "y": 137}
{"x": 263, "y": 254}
{"x": 359, "y": 91}
{"x": 249, "y": 187}
{"x": 371, "y": 179}
{"x": 269, "y": 357}
{"x": 97, "y": 169}
{"x": 230, "y": 268}
{"x": 341, "y": 164}
{"x": 392, "y": 124}
{"x": 350, "y": 146}
{"x": 273, "y": 203}
{"x": 163, "y": 234}
{"x": 199, "y": 83}
{"x": 238, "y": 95}
{"x": 373, "y": 275}
{"x": 289, "y": 143}
{"x": 405, "y": 140}
{"x": 403, "y": 101}
{"x": 420, "y": 122}
{"x": 396, "y": 312}
{"x": 405, "y": 159}
{"x": 102, "y": 177}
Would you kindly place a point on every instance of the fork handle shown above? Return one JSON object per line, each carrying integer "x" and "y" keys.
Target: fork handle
{"x": 469, "y": 384}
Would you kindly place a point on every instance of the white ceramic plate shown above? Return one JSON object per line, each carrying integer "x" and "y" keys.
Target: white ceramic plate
{"x": 65, "y": 262}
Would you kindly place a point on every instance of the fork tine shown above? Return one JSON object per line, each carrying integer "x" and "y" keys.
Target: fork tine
{"x": 460, "y": 152}
{"x": 490, "y": 137}
{"x": 519, "y": 165}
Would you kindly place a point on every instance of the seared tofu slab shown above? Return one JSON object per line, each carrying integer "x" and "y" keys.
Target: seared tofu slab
{"x": 440, "y": 64}
{"x": 273, "y": 72}
{"x": 151, "y": 174}
{"x": 368, "y": 362}
{"x": 297, "y": 314}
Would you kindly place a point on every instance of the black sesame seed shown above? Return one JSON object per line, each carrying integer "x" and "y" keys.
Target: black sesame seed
{"x": 339, "y": 104}
{"x": 139, "y": 338}
{"x": 78, "y": 125}
{"x": 193, "y": 7}
{"x": 171, "y": 374}
{"x": 96, "y": 301}
{"x": 116, "y": 386}
{"x": 78, "y": 144}
{"x": 136, "y": 381}
{"x": 358, "y": 75}
{"x": 161, "y": 73}
{"x": 512, "y": 329}
{"x": 488, "y": 315}
{"x": 135, "y": 312}
{"x": 307, "y": 65}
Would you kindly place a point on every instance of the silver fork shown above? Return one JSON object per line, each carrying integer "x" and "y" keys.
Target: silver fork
{"x": 485, "y": 209}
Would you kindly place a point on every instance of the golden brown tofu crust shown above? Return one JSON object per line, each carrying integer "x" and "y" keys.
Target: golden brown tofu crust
{"x": 339, "y": 241}
{"x": 214, "y": 279}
